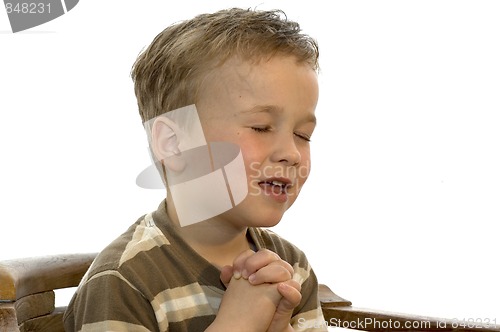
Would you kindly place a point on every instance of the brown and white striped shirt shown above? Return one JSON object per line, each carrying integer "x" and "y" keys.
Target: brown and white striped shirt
{"x": 150, "y": 279}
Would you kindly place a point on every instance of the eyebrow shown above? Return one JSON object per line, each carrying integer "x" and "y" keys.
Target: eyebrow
{"x": 271, "y": 109}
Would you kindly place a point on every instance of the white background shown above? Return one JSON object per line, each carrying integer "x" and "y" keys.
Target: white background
{"x": 401, "y": 210}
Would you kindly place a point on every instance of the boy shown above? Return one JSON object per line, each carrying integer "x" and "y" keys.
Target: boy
{"x": 246, "y": 79}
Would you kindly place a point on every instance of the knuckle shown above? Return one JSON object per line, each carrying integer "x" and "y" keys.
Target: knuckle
{"x": 270, "y": 254}
{"x": 285, "y": 265}
{"x": 284, "y": 274}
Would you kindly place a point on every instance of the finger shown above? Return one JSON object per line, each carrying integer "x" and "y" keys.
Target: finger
{"x": 225, "y": 274}
{"x": 284, "y": 264}
{"x": 291, "y": 297}
{"x": 290, "y": 290}
{"x": 258, "y": 260}
{"x": 273, "y": 273}
{"x": 240, "y": 262}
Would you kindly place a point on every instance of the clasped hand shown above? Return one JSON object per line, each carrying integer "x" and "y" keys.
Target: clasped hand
{"x": 261, "y": 293}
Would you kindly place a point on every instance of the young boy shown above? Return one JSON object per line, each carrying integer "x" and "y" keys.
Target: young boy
{"x": 248, "y": 79}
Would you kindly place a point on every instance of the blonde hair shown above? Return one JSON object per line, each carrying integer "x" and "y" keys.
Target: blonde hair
{"x": 168, "y": 74}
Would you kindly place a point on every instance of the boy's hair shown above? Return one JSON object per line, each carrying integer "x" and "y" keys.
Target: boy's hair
{"x": 168, "y": 74}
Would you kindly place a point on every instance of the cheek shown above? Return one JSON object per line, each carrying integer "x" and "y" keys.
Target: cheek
{"x": 252, "y": 164}
{"x": 305, "y": 165}
{"x": 302, "y": 174}
{"x": 252, "y": 152}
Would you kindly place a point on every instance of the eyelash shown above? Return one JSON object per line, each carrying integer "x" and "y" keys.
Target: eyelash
{"x": 267, "y": 129}
{"x": 261, "y": 130}
{"x": 304, "y": 137}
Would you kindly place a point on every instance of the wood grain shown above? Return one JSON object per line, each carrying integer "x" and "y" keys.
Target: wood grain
{"x": 35, "y": 305}
{"x": 22, "y": 277}
{"x": 329, "y": 299}
{"x": 49, "y": 323}
{"x": 8, "y": 317}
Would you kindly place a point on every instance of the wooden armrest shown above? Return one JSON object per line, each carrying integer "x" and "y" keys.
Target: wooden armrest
{"x": 27, "y": 276}
{"x": 49, "y": 323}
{"x": 329, "y": 299}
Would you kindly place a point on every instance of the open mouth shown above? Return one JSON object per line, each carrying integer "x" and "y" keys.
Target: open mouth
{"x": 275, "y": 187}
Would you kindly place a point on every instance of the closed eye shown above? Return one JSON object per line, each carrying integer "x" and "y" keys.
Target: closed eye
{"x": 267, "y": 129}
{"x": 261, "y": 129}
{"x": 305, "y": 137}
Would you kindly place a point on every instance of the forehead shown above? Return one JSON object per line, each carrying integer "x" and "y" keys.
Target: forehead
{"x": 279, "y": 81}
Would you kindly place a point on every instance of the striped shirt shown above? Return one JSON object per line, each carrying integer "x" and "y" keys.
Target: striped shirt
{"x": 150, "y": 279}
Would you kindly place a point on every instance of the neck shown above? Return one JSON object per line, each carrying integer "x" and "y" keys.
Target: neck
{"x": 215, "y": 239}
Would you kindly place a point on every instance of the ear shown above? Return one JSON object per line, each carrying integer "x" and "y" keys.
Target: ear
{"x": 165, "y": 143}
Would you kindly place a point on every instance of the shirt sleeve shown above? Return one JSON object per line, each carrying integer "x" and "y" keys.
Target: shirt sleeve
{"x": 308, "y": 315}
{"x": 109, "y": 302}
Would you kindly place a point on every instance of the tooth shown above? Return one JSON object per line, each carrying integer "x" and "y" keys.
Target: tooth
{"x": 277, "y": 183}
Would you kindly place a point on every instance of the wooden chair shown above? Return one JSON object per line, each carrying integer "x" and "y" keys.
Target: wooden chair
{"x": 27, "y": 300}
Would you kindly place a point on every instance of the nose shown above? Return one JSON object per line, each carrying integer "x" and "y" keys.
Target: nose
{"x": 286, "y": 152}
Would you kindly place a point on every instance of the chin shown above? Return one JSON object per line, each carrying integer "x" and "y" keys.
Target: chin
{"x": 269, "y": 223}
{"x": 268, "y": 219}
{"x": 258, "y": 212}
